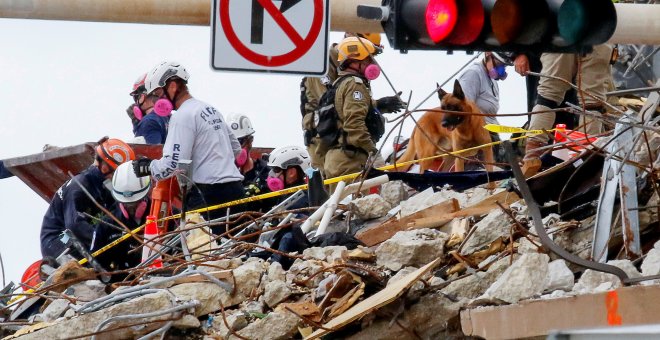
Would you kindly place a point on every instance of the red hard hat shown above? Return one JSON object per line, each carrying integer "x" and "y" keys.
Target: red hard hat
{"x": 138, "y": 86}
{"x": 32, "y": 276}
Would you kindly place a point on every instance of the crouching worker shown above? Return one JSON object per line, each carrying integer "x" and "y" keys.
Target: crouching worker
{"x": 71, "y": 208}
{"x": 288, "y": 168}
{"x": 133, "y": 203}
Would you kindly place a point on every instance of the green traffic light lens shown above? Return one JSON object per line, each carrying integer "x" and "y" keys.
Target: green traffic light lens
{"x": 573, "y": 21}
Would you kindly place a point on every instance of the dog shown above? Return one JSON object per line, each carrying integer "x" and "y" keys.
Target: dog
{"x": 452, "y": 132}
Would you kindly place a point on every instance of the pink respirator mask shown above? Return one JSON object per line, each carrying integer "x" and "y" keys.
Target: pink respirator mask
{"x": 275, "y": 183}
{"x": 242, "y": 158}
{"x": 139, "y": 210}
{"x": 372, "y": 71}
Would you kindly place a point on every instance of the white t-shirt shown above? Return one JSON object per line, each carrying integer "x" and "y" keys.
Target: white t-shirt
{"x": 198, "y": 132}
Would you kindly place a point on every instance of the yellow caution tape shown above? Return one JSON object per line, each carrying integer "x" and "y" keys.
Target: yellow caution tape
{"x": 511, "y": 129}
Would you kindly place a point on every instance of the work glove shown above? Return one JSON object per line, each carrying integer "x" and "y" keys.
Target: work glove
{"x": 141, "y": 167}
{"x": 131, "y": 115}
{"x": 252, "y": 190}
{"x": 390, "y": 104}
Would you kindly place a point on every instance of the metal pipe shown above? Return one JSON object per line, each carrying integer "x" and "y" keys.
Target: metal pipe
{"x": 343, "y": 13}
{"x": 631, "y": 91}
{"x": 370, "y": 183}
{"x": 636, "y": 24}
{"x": 331, "y": 207}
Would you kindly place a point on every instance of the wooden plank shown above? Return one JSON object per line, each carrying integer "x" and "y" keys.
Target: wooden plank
{"x": 378, "y": 300}
{"x": 377, "y": 234}
{"x": 485, "y": 206}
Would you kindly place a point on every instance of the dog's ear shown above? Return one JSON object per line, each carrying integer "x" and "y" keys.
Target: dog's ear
{"x": 441, "y": 92}
{"x": 458, "y": 90}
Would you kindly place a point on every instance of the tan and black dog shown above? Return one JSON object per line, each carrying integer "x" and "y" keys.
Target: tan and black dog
{"x": 450, "y": 131}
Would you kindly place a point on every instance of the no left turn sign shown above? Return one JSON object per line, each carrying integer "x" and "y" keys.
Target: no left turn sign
{"x": 284, "y": 36}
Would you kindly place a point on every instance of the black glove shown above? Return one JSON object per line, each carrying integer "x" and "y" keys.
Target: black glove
{"x": 390, "y": 104}
{"x": 141, "y": 167}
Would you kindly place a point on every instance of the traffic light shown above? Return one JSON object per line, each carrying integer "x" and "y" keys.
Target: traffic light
{"x": 564, "y": 26}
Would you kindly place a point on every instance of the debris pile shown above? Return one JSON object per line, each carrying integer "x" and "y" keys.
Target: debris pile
{"x": 424, "y": 257}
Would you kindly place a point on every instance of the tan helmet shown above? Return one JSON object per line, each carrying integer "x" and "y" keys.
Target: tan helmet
{"x": 355, "y": 48}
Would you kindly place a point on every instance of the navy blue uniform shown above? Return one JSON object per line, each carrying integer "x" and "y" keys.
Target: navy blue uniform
{"x": 120, "y": 256}
{"x": 153, "y": 128}
{"x": 66, "y": 207}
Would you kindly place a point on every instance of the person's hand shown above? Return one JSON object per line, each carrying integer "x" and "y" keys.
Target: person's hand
{"x": 141, "y": 167}
{"x": 521, "y": 63}
{"x": 390, "y": 104}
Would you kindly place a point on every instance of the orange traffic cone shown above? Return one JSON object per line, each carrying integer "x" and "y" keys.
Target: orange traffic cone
{"x": 578, "y": 142}
{"x": 151, "y": 232}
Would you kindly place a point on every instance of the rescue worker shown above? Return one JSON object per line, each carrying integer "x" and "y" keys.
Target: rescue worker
{"x": 359, "y": 122}
{"x": 131, "y": 194}
{"x": 70, "y": 208}
{"x": 595, "y": 74}
{"x": 197, "y": 132}
{"x": 479, "y": 83}
{"x": 288, "y": 168}
{"x": 254, "y": 171}
{"x": 311, "y": 90}
{"x": 146, "y": 122}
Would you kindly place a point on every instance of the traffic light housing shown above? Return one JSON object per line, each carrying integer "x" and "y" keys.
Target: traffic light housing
{"x": 561, "y": 26}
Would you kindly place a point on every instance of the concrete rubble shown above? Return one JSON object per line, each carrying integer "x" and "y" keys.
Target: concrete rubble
{"x": 485, "y": 260}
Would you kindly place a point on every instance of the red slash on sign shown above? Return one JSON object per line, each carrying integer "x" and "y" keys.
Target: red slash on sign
{"x": 302, "y": 44}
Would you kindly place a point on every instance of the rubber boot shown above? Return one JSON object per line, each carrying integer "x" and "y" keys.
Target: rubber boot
{"x": 532, "y": 160}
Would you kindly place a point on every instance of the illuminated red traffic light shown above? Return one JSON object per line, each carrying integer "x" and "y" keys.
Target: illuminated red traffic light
{"x": 440, "y": 16}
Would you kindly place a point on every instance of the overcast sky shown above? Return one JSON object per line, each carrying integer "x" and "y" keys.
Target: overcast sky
{"x": 66, "y": 83}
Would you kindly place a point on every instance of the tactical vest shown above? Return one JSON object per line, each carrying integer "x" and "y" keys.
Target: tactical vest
{"x": 326, "y": 119}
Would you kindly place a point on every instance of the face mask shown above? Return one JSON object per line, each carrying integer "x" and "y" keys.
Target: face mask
{"x": 372, "y": 71}
{"x": 498, "y": 72}
{"x": 139, "y": 210}
{"x": 163, "y": 107}
{"x": 275, "y": 183}
{"x": 242, "y": 158}
{"x": 137, "y": 112}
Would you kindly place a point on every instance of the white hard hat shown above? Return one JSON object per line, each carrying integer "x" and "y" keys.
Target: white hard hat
{"x": 127, "y": 187}
{"x": 240, "y": 125}
{"x": 162, "y": 72}
{"x": 288, "y": 156}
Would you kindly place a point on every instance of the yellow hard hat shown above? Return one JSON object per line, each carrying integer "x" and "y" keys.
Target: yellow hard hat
{"x": 355, "y": 48}
{"x": 373, "y": 37}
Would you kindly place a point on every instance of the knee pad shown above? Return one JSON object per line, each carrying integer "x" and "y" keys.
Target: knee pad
{"x": 540, "y": 100}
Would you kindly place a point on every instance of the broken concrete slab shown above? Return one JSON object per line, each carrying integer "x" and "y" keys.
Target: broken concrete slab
{"x": 301, "y": 270}
{"x": 235, "y": 319}
{"x": 276, "y": 272}
{"x": 187, "y": 321}
{"x": 328, "y": 254}
{"x": 87, "y": 290}
{"x": 210, "y": 295}
{"x": 593, "y": 281}
{"x": 651, "y": 264}
{"x": 370, "y": 207}
{"x": 495, "y": 225}
{"x": 55, "y": 309}
{"x": 403, "y": 273}
{"x": 525, "y": 278}
{"x": 278, "y": 325}
{"x": 559, "y": 276}
{"x": 636, "y": 305}
{"x": 276, "y": 292}
{"x": 475, "y": 285}
{"x": 427, "y": 318}
{"x": 411, "y": 248}
{"x": 394, "y": 192}
{"x": 87, "y": 323}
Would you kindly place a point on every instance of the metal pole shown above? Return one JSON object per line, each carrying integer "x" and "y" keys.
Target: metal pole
{"x": 343, "y": 13}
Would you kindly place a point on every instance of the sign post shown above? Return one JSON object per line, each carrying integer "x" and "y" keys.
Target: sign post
{"x": 279, "y": 36}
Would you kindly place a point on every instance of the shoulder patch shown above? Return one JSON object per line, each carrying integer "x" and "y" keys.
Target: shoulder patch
{"x": 357, "y": 95}
{"x": 358, "y": 80}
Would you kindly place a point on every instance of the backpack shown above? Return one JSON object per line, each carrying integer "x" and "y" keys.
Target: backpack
{"x": 326, "y": 118}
